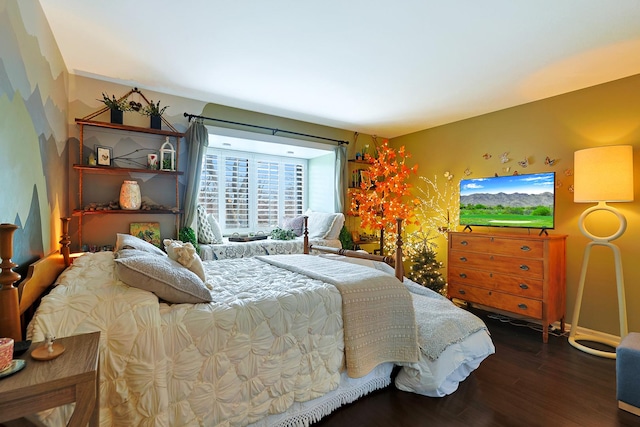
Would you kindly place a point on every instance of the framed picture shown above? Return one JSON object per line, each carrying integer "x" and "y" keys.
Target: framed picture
{"x": 147, "y": 231}
{"x": 103, "y": 155}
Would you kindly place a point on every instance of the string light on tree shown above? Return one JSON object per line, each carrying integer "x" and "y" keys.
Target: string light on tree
{"x": 384, "y": 190}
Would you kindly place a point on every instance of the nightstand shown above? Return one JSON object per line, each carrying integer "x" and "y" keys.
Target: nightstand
{"x": 71, "y": 377}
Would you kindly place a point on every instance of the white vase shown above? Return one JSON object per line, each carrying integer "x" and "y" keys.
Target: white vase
{"x": 130, "y": 198}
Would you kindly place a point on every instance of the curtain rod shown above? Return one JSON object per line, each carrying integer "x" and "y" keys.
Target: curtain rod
{"x": 273, "y": 130}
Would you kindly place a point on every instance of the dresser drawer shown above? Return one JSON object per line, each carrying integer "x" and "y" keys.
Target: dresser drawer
{"x": 523, "y": 267}
{"x": 516, "y": 285}
{"x": 497, "y": 245}
{"x": 512, "y": 303}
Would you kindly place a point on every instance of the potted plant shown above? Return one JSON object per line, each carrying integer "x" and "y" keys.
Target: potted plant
{"x": 155, "y": 113}
{"x": 116, "y": 106}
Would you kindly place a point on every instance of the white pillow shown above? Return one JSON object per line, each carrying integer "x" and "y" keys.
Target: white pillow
{"x": 186, "y": 255}
{"x": 205, "y": 234}
{"x": 127, "y": 241}
{"x": 215, "y": 229}
{"x": 336, "y": 228}
{"x": 324, "y": 225}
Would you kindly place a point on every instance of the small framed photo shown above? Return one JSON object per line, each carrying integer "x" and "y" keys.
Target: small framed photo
{"x": 103, "y": 155}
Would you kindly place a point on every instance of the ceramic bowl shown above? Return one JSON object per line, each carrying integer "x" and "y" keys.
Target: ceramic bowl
{"x": 6, "y": 353}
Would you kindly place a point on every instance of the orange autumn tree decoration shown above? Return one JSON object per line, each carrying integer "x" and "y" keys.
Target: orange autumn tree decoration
{"x": 385, "y": 190}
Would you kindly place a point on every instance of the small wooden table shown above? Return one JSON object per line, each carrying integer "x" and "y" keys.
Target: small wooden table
{"x": 71, "y": 377}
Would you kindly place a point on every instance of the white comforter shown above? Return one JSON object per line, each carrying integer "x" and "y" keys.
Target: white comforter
{"x": 271, "y": 337}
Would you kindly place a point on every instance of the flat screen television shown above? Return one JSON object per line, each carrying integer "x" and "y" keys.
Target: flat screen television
{"x": 523, "y": 201}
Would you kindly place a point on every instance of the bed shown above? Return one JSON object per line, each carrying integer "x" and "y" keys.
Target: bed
{"x": 276, "y": 346}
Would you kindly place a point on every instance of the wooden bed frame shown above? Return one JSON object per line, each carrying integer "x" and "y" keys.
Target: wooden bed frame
{"x": 17, "y": 303}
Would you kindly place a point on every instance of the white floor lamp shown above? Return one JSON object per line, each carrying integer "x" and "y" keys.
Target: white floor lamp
{"x": 602, "y": 174}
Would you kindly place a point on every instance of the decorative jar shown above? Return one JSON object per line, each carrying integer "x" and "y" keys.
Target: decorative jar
{"x": 130, "y": 198}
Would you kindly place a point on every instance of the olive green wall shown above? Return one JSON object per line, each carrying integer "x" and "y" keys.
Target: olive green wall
{"x": 607, "y": 114}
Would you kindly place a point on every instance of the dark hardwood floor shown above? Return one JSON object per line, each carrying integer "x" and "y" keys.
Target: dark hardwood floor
{"x": 525, "y": 383}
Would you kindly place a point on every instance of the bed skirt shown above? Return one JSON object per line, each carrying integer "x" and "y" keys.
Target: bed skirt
{"x": 303, "y": 414}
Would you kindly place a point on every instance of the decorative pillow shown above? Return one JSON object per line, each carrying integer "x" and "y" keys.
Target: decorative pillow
{"x": 296, "y": 224}
{"x": 166, "y": 278}
{"x": 127, "y": 241}
{"x": 215, "y": 229}
{"x": 334, "y": 232}
{"x": 205, "y": 234}
{"x": 186, "y": 255}
{"x": 324, "y": 225}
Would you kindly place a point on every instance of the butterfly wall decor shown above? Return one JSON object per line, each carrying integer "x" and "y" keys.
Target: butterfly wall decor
{"x": 504, "y": 157}
{"x": 549, "y": 161}
{"x": 524, "y": 163}
{"x": 486, "y": 156}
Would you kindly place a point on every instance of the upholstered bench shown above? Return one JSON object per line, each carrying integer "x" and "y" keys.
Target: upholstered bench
{"x": 628, "y": 373}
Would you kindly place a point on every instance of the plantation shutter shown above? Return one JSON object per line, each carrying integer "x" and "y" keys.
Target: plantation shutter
{"x": 249, "y": 192}
{"x": 293, "y": 190}
{"x": 267, "y": 193}
{"x": 236, "y": 193}
{"x": 209, "y": 184}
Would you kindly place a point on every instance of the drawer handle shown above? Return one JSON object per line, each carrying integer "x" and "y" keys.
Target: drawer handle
{"x": 524, "y": 267}
{"x": 522, "y": 306}
{"x": 523, "y": 286}
{"x": 525, "y": 248}
{"x": 464, "y": 243}
{"x": 461, "y": 291}
{"x": 463, "y": 259}
{"x": 464, "y": 276}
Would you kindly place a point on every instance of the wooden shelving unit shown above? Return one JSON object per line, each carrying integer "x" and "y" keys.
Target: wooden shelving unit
{"x": 83, "y": 169}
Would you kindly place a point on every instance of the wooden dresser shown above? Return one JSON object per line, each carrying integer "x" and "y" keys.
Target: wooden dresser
{"x": 521, "y": 274}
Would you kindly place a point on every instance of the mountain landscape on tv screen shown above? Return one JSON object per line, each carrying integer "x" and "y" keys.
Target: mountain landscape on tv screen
{"x": 513, "y": 200}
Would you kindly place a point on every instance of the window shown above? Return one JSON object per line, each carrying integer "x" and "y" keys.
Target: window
{"x": 250, "y": 192}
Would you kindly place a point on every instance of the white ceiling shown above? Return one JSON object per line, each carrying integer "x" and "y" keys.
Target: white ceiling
{"x": 372, "y": 66}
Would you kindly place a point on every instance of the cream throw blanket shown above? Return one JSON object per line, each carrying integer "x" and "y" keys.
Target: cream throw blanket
{"x": 377, "y": 310}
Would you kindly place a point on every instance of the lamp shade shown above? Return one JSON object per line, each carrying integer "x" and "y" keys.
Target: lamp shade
{"x": 603, "y": 174}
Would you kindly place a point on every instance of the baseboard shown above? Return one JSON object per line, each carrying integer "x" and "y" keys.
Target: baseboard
{"x": 555, "y": 325}
{"x": 629, "y": 408}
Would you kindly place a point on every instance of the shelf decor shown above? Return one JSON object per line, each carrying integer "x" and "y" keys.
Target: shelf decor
{"x": 147, "y": 231}
{"x": 116, "y": 106}
{"x": 167, "y": 156}
{"x": 130, "y": 198}
{"x": 155, "y": 113}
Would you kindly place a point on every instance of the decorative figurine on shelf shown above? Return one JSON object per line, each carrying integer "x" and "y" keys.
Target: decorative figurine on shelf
{"x": 167, "y": 156}
{"x": 358, "y": 156}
